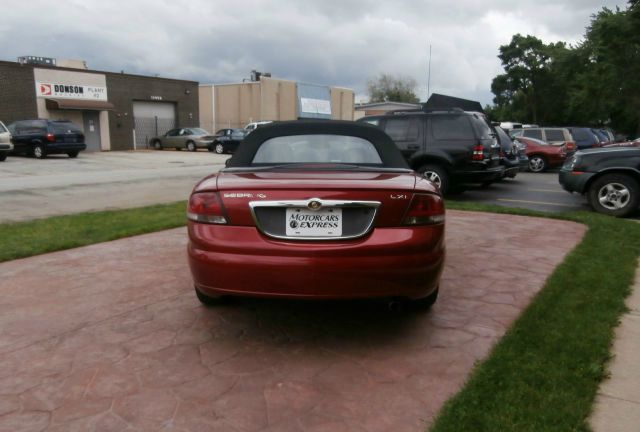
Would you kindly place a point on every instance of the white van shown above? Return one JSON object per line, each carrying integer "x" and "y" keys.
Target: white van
{"x": 508, "y": 126}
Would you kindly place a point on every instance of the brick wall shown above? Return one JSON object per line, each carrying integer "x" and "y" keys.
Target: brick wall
{"x": 124, "y": 89}
{"x": 17, "y": 92}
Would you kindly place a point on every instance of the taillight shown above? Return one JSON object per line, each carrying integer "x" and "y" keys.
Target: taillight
{"x": 478, "y": 152}
{"x": 206, "y": 207}
{"x": 425, "y": 209}
{"x": 51, "y": 137}
{"x": 571, "y": 146}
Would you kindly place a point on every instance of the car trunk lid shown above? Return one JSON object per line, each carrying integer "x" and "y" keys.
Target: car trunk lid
{"x": 241, "y": 191}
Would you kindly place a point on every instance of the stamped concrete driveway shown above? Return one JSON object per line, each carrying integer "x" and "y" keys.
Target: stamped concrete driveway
{"x": 110, "y": 337}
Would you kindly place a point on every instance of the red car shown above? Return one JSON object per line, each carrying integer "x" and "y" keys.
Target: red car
{"x": 543, "y": 155}
{"x": 317, "y": 210}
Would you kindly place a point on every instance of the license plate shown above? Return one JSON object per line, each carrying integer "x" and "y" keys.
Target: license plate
{"x": 302, "y": 222}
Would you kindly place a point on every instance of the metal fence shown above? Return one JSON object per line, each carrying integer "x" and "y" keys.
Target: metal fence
{"x": 147, "y": 128}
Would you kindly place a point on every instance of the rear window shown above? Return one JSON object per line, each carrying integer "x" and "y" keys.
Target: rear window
{"x": 580, "y": 134}
{"x": 455, "y": 128}
{"x": 29, "y": 127}
{"x": 2, "y": 128}
{"x": 64, "y": 127}
{"x": 554, "y": 134}
{"x": 317, "y": 149}
{"x": 402, "y": 128}
{"x": 533, "y": 133}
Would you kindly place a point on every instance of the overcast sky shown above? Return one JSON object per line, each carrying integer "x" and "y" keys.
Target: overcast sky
{"x": 333, "y": 42}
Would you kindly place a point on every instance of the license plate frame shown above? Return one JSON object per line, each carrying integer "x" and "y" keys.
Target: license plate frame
{"x": 322, "y": 223}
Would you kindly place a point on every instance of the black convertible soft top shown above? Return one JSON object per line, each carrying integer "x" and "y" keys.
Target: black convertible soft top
{"x": 389, "y": 153}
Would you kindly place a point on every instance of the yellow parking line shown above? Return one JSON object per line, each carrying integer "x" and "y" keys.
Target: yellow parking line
{"x": 548, "y": 190}
{"x": 536, "y": 202}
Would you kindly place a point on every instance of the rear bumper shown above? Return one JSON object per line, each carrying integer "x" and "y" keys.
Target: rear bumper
{"x": 511, "y": 167}
{"x": 490, "y": 174}
{"x": 524, "y": 163}
{"x": 556, "y": 161}
{"x": 53, "y": 148}
{"x": 389, "y": 262}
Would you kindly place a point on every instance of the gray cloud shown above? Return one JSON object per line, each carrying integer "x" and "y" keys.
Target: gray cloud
{"x": 328, "y": 42}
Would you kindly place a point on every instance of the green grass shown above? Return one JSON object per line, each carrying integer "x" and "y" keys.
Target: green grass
{"x": 544, "y": 374}
{"x": 24, "y": 239}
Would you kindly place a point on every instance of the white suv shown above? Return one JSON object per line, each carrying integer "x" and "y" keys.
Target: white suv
{"x": 5, "y": 142}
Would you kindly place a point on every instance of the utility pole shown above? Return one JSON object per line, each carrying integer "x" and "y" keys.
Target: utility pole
{"x": 429, "y": 74}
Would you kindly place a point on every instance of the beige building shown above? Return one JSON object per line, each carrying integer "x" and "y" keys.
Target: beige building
{"x": 236, "y": 105}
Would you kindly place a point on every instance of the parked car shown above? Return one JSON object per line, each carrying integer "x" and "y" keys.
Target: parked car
{"x": 316, "y": 210}
{"x": 513, "y": 157}
{"x": 609, "y": 177}
{"x": 584, "y": 137}
{"x": 552, "y": 135}
{"x": 227, "y": 140}
{"x": 188, "y": 138}
{"x": 602, "y": 136}
{"x": 635, "y": 143}
{"x": 449, "y": 148}
{"x": 255, "y": 125}
{"x": 5, "y": 142}
{"x": 509, "y": 126}
{"x": 542, "y": 155}
{"x": 40, "y": 138}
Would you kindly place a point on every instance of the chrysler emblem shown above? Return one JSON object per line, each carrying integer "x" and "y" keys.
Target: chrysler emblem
{"x": 314, "y": 205}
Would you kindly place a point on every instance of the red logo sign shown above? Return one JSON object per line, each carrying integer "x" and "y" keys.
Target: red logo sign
{"x": 45, "y": 89}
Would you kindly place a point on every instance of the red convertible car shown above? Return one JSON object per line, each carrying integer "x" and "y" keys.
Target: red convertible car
{"x": 543, "y": 155}
{"x": 317, "y": 210}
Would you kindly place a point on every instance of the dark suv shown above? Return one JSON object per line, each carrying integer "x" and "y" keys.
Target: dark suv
{"x": 447, "y": 147}
{"x": 39, "y": 138}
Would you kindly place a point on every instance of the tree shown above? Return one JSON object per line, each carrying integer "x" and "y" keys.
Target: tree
{"x": 595, "y": 83}
{"x": 523, "y": 90}
{"x": 608, "y": 87}
{"x": 385, "y": 88}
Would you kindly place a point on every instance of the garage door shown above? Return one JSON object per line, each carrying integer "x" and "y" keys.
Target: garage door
{"x": 152, "y": 119}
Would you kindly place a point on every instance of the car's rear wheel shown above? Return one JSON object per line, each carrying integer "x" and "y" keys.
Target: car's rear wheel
{"x": 537, "y": 164}
{"x": 614, "y": 195}
{"x": 219, "y": 148}
{"x": 157, "y": 145}
{"x": 437, "y": 175}
{"x": 73, "y": 154}
{"x": 3, "y": 156}
{"x": 39, "y": 151}
{"x": 191, "y": 146}
{"x": 210, "y": 300}
{"x": 425, "y": 303}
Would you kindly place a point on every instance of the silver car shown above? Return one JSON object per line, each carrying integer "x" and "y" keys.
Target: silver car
{"x": 189, "y": 138}
{"x": 5, "y": 142}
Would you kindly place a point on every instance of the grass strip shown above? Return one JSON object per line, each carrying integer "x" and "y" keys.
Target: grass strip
{"x": 24, "y": 239}
{"x": 544, "y": 373}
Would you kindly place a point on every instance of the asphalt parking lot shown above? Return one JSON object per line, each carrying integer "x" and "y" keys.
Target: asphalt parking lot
{"x": 535, "y": 191}
{"x": 32, "y": 188}
{"x": 111, "y": 337}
